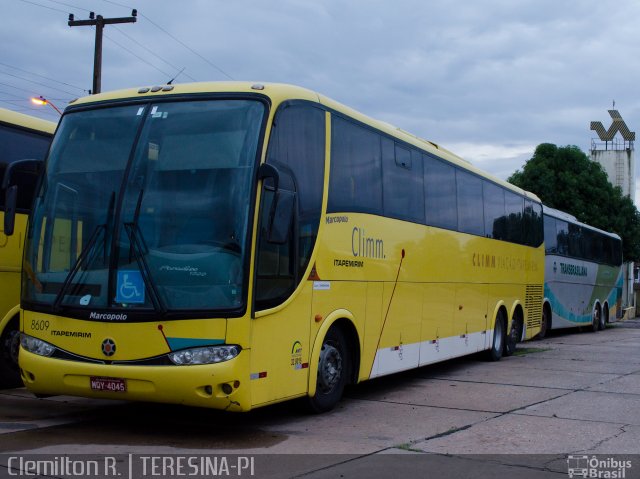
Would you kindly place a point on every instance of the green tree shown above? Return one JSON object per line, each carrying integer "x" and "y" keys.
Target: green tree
{"x": 566, "y": 179}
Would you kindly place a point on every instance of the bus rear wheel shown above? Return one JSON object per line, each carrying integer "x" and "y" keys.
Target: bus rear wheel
{"x": 597, "y": 319}
{"x": 9, "y": 347}
{"x": 333, "y": 371}
{"x": 499, "y": 338}
{"x": 605, "y": 317}
{"x": 545, "y": 326}
{"x": 514, "y": 337}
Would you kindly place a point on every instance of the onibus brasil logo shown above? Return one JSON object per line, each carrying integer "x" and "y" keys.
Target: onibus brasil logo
{"x": 608, "y": 468}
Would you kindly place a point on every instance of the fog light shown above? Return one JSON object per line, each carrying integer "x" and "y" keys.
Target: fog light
{"x": 226, "y": 388}
{"x": 208, "y": 390}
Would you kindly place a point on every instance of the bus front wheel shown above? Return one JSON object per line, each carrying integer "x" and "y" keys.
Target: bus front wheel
{"x": 9, "y": 346}
{"x": 333, "y": 370}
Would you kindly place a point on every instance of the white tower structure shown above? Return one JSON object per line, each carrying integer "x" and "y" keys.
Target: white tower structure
{"x": 615, "y": 154}
{"x": 617, "y": 157}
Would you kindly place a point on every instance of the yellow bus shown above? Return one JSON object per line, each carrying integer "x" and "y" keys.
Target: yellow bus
{"x": 232, "y": 245}
{"x": 22, "y": 137}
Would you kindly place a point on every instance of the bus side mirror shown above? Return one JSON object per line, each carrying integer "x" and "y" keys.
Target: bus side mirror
{"x": 279, "y": 203}
{"x": 280, "y": 216}
{"x": 10, "y": 200}
{"x": 11, "y": 192}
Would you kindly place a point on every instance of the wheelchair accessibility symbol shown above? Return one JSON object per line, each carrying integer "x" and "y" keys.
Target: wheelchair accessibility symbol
{"x": 130, "y": 287}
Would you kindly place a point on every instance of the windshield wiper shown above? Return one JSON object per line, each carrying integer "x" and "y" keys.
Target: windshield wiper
{"x": 80, "y": 261}
{"x": 109, "y": 225}
{"x": 138, "y": 249}
{"x": 86, "y": 251}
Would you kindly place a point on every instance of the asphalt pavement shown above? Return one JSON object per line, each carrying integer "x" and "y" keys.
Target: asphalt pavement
{"x": 572, "y": 397}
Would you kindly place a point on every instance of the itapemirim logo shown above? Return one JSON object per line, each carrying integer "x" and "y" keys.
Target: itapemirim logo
{"x": 595, "y": 467}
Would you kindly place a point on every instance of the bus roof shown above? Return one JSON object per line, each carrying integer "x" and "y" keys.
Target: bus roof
{"x": 26, "y": 121}
{"x": 279, "y": 92}
{"x": 562, "y": 215}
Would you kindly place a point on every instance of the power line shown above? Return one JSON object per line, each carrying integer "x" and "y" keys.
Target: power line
{"x": 100, "y": 22}
{"x": 13, "y": 108}
{"x": 114, "y": 41}
{"x": 151, "y": 51}
{"x": 16, "y": 87}
{"x": 11, "y": 94}
{"x": 188, "y": 47}
{"x": 37, "y": 83}
{"x": 42, "y": 76}
{"x": 43, "y": 6}
{"x": 168, "y": 75}
{"x": 25, "y": 98}
{"x": 118, "y": 4}
{"x": 68, "y": 5}
{"x": 210, "y": 63}
{"x": 45, "y": 112}
{"x": 174, "y": 38}
{"x": 30, "y": 92}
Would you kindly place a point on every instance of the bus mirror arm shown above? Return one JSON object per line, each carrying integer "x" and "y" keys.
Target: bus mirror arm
{"x": 11, "y": 192}
{"x": 10, "y": 199}
{"x": 282, "y": 206}
{"x": 20, "y": 164}
{"x": 280, "y": 216}
{"x": 269, "y": 171}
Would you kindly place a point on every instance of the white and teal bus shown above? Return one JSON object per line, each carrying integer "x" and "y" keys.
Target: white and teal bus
{"x": 583, "y": 274}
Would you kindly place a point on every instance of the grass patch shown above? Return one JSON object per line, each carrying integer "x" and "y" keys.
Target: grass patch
{"x": 407, "y": 447}
{"x": 525, "y": 351}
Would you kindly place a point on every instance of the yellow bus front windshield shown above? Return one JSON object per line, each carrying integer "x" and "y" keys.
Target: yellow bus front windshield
{"x": 144, "y": 209}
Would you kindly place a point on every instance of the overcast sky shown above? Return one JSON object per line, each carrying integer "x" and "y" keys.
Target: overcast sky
{"x": 487, "y": 79}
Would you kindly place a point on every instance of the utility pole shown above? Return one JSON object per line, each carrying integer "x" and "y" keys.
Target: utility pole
{"x": 99, "y": 22}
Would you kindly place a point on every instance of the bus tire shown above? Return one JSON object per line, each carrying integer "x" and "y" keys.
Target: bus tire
{"x": 333, "y": 372}
{"x": 596, "y": 319}
{"x": 545, "y": 325}
{"x": 9, "y": 347}
{"x": 605, "y": 317}
{"x": 499, "y": 338}
{"x": 514, "y": 337}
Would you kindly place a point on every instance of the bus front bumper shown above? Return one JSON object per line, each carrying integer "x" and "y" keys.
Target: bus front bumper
{"x": 219, "y": 386}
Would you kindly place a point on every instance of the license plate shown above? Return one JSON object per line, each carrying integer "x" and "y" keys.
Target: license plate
{"x": 118, "y": 385}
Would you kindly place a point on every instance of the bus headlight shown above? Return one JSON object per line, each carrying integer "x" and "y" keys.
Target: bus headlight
{"x": 206, "y": 355}
{"x": 36, "y": 346}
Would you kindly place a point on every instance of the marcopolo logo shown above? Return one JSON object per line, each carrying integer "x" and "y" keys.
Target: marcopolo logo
{"x": 607, "y": 468}
{"x": 107, "y": 316}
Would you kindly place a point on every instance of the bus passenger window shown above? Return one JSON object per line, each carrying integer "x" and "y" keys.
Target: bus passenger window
{"x": 440, "y": 194}
{"x": 470, "y": 210}
{"x": 402, "y": 182}
{"x": 562, "y": 232}
{"x": 494, "y": 212}
{"x": 355, "y": 183}
{"x": 550, "y": 235}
